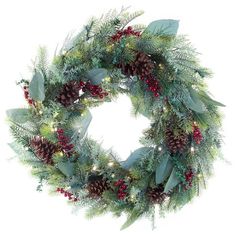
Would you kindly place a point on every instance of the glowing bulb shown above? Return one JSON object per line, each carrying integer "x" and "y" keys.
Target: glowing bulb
{"x": 159, "y": 148}
{"x": 110, "y": 164}
{"x": 94, "y": 168}
{"x": 107, "y": 79}
{"x": 199, "y": 176}
{"x": 164, "y": 109}
{"x": 26, "y": 148}
{"x": 192, "y": 149}
{"x": 113, "y": 175}
{"x": 61, "y": 154}
{"x": 40, "y": 112}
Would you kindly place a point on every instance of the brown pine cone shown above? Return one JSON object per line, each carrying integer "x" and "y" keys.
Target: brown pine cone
{"x": 69, "y": 93}
{"x": 156, "y": 195}
{"x": 142, "y": 66}
{"x": 43, "y": 149}
{"x": 97, "y": 187}
{"x": 176, "y": 141}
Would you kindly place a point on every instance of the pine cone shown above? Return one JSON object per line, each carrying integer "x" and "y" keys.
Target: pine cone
{"x": 142, "y": 66}
{"x": 43, "y": 149}
{"x": 69, "y": 93}
{"x": 176, "y": 141}
{"x": 157, "y": 195}
{"x": 127, "y": 69}
{"x": 97, "y": 187}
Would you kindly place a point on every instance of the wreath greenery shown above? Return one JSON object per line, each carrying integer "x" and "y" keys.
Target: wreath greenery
{"x": 161, "y": 74}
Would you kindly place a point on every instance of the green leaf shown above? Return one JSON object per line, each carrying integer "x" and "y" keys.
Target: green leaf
{"x": 84, "y": 123}
{"x": 18, "y": 115}
{"x": 67, "y": 168}
{"x": 131, "y": 219}
{"x": 208, "y": 100}
{"x": 135, "y": 156}
{"x": 97, "y": 75}
{"x": 36, "y": 87}
{"x": 172, "y": 181}
{"x": 193, "y": 102}
{"x": 163, "y": 170}
{"x": 166, "y": 27}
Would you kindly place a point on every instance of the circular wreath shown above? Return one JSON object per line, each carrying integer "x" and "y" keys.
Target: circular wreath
{"x": 160, "y": 73}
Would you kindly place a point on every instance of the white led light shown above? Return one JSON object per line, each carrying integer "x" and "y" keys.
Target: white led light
{"x": 110, "y": 164}
{"x": 192, "y": 149}
{"x": 159, "y": 148}
{"x": 94, "y": 167}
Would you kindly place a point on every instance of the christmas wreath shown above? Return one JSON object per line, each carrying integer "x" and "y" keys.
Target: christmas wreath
{"x": 160, "y": 72}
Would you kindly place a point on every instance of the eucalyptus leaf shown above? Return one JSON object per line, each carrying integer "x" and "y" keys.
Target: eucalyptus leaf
{"x": 97, "y": 75}
{"x": 163, "y": 169}
{"x": 172, "y": 181}
{"x": 165, "y": 27}
{"x": 131, "y": 219}
{"x": 67, "y": 168}
{"x": 18, "y": 115}
{"x": 36, "y": 87}
{"x": 136, "y": 156}
{"x": 209, "y": 101}
{"x": 84, "y": 123}
{"x": 193, "y": 102}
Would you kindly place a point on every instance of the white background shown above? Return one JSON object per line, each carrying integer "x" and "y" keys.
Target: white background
{"x": 24, "y": 25}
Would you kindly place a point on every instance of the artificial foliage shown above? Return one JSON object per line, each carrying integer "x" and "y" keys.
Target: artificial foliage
{"x": 159, "y": 70}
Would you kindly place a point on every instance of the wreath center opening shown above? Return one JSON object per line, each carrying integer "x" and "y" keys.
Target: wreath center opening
{"x": 118, "y": 129}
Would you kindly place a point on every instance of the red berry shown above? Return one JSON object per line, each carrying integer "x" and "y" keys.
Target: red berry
{"x": 81, "y": 83}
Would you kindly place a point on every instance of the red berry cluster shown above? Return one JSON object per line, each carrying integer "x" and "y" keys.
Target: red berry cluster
{"x": 95, "y": 90}
{"x": 67, "y": 194}
{"x": 152, "y": 84}
{"x": 64, "y": 143}
{"x": 197, "y": 135}
{"x": 189, "y": 174}
{"x": 27, "y": 97}
{"x": 125, "y": 33}
{"x": 121, "y": 190}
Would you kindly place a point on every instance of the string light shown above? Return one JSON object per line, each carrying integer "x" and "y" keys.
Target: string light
{"x": 192, "y": 149}
{"x": 199, "y": 176}
{"x": 132, "y": 197}
{"x": 107, "y": 79}
{"x": 159, "y": 148}
{"x": 40, "y": 112}
{"x": 94, "y": 168}
{"x": 161, "y": 66}
{"x": 113, "y": 175}
{"x": 61, "y": 154}
{"x": 110, "y": 164}
{"x": 26, "y": 148}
